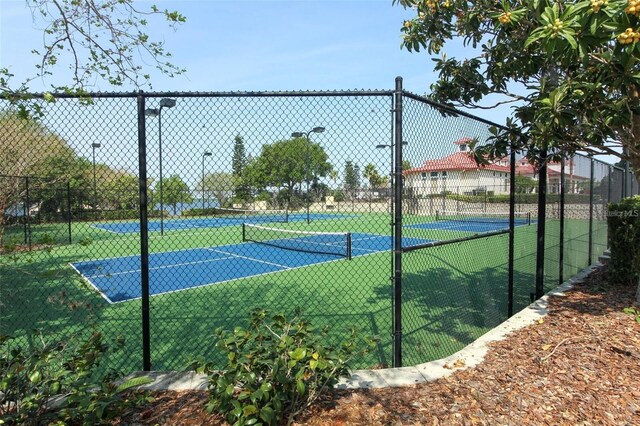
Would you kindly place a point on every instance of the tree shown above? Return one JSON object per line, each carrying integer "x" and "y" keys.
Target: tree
{"x": 239, "y": 161}
{"x": 29, "y": 149}
{"x": 174, "y": 191}
{"x": 351, "y": 179}
{"x": 570, "y": 70}
{"x": 96, "y": 39}
{"x": 374, "y": 178}
{"x": 285, "y": 164}
{"x": 525, "y": 184}
{"x": 221, "y": 185}
{"x": 121, "y": 190}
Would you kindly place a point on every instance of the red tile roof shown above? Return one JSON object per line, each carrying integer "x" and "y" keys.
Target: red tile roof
{"x": 457, "y": 161}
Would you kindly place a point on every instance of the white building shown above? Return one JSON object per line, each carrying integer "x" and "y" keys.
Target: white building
{"x": 458, "y": 173}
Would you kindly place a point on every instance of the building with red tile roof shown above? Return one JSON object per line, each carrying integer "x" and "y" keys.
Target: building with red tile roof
{"x": 459, "y": 173}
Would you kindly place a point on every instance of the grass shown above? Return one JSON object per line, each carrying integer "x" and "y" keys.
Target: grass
{"x": 451, "y": 294}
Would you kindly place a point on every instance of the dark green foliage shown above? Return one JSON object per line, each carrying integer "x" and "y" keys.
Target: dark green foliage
{"x": 61, "y": 382}
{"x": 239, "y": 161}
{"x": 175, "y": 191}
{"x": 623, "y": 220}
{"x": 209, "y": 211}
{"x": 275, "y": 368}
{"x": 351, "y": 179}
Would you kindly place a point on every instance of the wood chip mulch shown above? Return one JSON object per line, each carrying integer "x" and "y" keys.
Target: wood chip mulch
{"x": 578, "y": 366}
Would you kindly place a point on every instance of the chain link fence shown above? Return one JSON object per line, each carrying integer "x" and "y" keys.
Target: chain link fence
{"x": 163, "y": 216}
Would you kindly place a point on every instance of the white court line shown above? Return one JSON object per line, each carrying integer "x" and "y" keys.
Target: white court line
{"x": 250, "y": 258}
{"x": 160, "y": 267}
{"x": 86, "y": 279}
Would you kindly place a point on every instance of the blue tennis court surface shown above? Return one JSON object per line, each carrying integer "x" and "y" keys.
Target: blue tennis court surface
{"x": 467, "y": 226}
{"x": 118, "y": 279}
{"x": 130, "y": 227}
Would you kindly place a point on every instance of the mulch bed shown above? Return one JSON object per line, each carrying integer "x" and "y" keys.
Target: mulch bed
{"x": 578, "y": 366}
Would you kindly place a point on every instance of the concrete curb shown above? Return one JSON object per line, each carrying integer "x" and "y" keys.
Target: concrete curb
{"x": 468, "y": 357}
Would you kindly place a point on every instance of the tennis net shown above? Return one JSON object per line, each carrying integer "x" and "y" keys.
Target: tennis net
{"x": 336, "y": 243}
{"x": 255, "y": 215}
{"x": 521, "y": 218}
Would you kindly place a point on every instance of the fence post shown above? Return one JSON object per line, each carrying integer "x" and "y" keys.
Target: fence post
{"x": 542, "y": 209}
{"x": 562, "y": 201}
{"x": 144, "y": 233}
{"x": 27, "y": 218}
{"x": 609, "y": 184}
{"x": 69, "y": 209}
{"x": 512, "y": 225}
{"x": 397, "y": 225}
{"x": 591, "y": 177}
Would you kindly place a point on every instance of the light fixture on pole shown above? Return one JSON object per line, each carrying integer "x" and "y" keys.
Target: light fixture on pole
{"x": 157, "y": 112}
{"x": 306, "y": 166}
{"x": 95, "y": 192}
{"x": 205, "y": 154}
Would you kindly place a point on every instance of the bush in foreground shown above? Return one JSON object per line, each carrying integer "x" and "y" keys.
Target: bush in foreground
{"x": 623, "y": 220}
{"x": 60, "y": 382}
{"x": 275, "y": 368}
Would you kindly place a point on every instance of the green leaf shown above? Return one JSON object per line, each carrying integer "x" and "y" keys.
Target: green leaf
{"x": 35, "y": 377}
{"x": 300, "y": 387}
{"x": 249, "y": 410}
{"x": 567, "y": 35}
{"x": 229, "y": 389}
{"x": 267, "y": 414}
{"x": 133, "y": 382}
{"x": 536, "y": 35}
{"x": 298, "y": 354}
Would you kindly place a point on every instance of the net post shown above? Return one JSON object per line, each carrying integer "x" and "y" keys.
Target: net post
{"x": 349, "y": 245}
{"x": 244, "y": 232}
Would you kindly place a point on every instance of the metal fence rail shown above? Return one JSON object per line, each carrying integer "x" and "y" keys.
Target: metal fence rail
{"x": 130, "y": 214}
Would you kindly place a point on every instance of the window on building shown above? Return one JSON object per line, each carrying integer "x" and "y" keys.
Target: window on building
{"x": 434, "y": 175}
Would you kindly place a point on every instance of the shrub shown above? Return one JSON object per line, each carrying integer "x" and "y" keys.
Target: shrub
{"x": 275, "y": 368}
{"x": 60, "y": 382}
{"x": 623, "y": 220}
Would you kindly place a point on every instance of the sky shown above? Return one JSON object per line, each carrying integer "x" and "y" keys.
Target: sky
{"x": 255, "y": 45}
{"x": 260, "y": 45}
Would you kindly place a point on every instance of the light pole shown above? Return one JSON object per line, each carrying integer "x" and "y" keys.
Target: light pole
{"x": 157, "y": 112}
{"x": 306, "y": 165}
{"x": 95, "y": 192}
{"x": 205, "y": 154}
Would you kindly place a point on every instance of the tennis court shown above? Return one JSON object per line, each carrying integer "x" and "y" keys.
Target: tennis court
{"x": 475, "y": 222}
{"x": 118, "y": 279}
{"x": 267, "y": 216}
